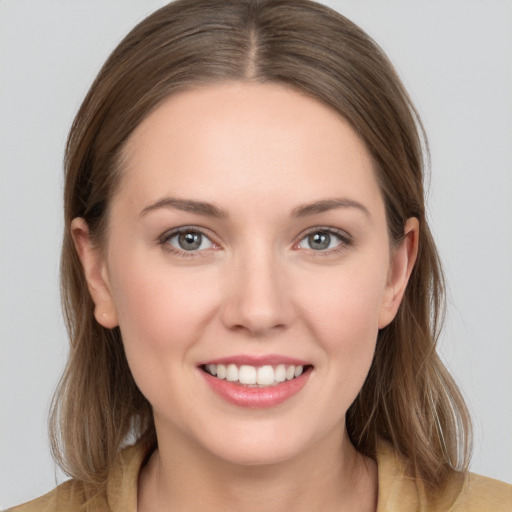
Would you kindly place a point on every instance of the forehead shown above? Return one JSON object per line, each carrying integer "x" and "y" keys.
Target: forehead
{"x": 232, "y": 140}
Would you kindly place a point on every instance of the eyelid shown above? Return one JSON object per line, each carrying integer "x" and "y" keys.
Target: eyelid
{"x": 164, "y": 238}
{"x": 345, "y": 238}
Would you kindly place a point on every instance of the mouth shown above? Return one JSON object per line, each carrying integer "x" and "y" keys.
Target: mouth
{"x": 255, "y": 376}
{"x": 263, "y": 384}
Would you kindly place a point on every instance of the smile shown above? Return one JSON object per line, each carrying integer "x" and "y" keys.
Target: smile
{"x": 256, "y": 376}
{"x": 256, "y": 383}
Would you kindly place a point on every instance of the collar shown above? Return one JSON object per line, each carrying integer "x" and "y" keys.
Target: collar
{"x": 398, "y": 491}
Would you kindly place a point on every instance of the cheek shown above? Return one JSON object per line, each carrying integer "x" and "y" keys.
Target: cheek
{"x": 160, "y": 309}
{"x": 345, "y": 300}
{"x": 342, "y": 310}
{"x": 161, "y": 313}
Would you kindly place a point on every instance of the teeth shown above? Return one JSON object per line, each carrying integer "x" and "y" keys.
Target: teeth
{"x": 232, "y": 373}
{"x": 280, "y": 373}
{"x": 221, "y": 371}
{"x": 265, "y": 376}
{"x": 251, "y": 375}
{"x": 247, "y": 375}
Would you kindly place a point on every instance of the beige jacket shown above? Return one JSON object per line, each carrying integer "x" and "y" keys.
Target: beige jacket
{"x": 397, "y": 492}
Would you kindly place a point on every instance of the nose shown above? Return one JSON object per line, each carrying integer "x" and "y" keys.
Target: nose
{"x": 257, "y": 299}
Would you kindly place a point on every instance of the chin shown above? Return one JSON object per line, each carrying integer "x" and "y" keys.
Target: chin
{"x": 257, "y": 454}
{"x": 261, "y": 445}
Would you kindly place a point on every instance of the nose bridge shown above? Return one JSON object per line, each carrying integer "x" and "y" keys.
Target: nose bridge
{"x": 257, "y": 300}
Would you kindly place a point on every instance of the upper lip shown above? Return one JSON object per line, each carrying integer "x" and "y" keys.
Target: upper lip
{"x": 257, "y": 360}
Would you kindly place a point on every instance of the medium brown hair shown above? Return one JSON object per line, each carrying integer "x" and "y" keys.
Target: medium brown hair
{"x": 408, "y": 398}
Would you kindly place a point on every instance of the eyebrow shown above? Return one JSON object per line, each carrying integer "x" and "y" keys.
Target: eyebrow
{"x": 210, "y": 210}
{"x": 186, "y": 205}
{"x": 328, "y": 204}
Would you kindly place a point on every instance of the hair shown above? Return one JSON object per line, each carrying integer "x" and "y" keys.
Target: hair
{"x": 408, "y": 398}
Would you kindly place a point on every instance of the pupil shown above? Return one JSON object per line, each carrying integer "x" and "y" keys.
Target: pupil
{"x": 190, "y": 241}
{"x": 319, "y": 241}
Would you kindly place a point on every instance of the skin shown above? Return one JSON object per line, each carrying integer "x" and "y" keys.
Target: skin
{"x": 256, "y": 286}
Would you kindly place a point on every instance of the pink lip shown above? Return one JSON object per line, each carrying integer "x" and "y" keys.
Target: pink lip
{"x": 262, "y": 360}
{"x": 254, "y": 397}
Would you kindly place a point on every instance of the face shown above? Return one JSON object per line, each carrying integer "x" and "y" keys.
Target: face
{"x": 248, "y": 265}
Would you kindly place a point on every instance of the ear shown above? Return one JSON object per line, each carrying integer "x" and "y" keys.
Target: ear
{"x": 96, "y": 274}
{"x": 402, "y": 262}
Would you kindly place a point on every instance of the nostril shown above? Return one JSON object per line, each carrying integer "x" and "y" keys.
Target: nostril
{"x": 257, "y": 299}
{"x": 258, "y": 328}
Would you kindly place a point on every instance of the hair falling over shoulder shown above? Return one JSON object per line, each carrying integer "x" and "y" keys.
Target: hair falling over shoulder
{"x": 409, "y": 398}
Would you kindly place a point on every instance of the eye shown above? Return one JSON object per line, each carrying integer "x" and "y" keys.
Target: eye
{"x": 323, "y": 240}
{"x": 188, "y": 240}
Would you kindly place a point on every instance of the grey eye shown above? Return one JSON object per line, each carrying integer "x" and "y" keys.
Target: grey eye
{"x": 190, "y": 241}
{"x": 320, "y": 241}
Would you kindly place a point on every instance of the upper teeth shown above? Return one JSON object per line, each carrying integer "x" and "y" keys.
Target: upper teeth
{"x": 255, "y": 375}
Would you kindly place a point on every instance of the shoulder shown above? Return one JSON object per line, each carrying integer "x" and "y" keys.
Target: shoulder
{"x": 67, "y": 497}
{"x": 482, "y": 494}
{"x": 119, "y": 492}
{"x": 399, "y": 492}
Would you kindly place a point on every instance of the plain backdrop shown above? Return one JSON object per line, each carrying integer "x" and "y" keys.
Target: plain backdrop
{"x": 455, "y": 57}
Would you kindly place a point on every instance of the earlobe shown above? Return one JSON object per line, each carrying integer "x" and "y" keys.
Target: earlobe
{"x": 96, "y": 274}
{"x": 402, "y": 262}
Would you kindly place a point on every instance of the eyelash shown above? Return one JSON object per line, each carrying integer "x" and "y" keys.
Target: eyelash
{"x": 165, "y": 239}
{"x": 345, "y": 241}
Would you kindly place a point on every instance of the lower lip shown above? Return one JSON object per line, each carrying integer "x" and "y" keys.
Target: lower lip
{"x": 256, "y": 398}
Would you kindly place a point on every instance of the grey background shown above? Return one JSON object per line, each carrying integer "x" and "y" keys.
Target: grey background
{"x": 455, "y": 57}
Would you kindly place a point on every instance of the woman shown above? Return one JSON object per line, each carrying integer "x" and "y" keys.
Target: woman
{"x": 251, "y": 289}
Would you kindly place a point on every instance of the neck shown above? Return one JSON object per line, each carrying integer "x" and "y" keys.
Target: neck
{"x": 332, "y": 475}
